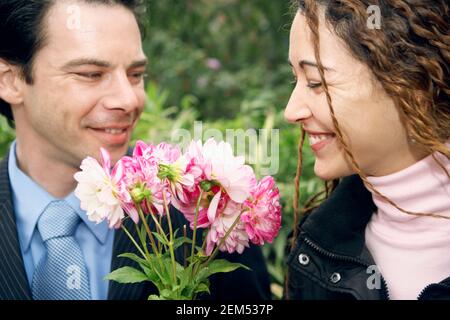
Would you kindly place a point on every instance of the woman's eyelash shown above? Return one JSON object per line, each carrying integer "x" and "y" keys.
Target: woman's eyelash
{"x": 313, "y": 85}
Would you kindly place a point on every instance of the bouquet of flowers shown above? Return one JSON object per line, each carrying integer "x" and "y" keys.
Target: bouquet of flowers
{"x": 211, "y": 187}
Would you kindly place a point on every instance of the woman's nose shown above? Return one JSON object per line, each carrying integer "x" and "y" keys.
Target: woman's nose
{"x": 297, "y": 108}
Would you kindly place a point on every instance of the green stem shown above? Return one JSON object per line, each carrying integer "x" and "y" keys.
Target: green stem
{"x": 143, "y": 241}
{"x": 158, "y": 226}
{"x": 172, "y": 253}
{"x": 144, "y": 245}
{"x": 184, "y": 246}
{"x": 194, "y": 236}
{"x": 134, "y": 241}
{"x": 150, "y": 235}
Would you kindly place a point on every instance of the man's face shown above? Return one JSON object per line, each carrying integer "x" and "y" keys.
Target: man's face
{"x": 88, "y": 89}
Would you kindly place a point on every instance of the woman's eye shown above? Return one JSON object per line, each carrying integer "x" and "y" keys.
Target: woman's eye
{"x": 313, "y": 85}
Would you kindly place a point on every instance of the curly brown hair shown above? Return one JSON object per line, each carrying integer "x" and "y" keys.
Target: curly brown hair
{"x": 409, "y": 55}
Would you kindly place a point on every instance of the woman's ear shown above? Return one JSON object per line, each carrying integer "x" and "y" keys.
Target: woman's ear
{"x": 11, "y": 83}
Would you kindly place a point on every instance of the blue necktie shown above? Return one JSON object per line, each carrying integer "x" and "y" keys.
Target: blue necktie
{"x": 61, "y": 274}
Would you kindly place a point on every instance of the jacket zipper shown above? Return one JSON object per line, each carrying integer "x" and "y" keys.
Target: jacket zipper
{"x": 419, "y": 297}
{"x": 331, "y": 255}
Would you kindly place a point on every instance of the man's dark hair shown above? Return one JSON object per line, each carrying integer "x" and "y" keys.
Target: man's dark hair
{"x": 22, "y": 25}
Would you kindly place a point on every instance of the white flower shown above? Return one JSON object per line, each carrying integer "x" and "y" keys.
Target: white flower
{"x": 97, "y": 192}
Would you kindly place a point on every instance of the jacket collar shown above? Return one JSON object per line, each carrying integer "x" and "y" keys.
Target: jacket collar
{"x": 338, "y": 224}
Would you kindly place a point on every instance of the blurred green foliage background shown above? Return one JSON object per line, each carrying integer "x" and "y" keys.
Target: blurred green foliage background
{"x": 223, "y": 62}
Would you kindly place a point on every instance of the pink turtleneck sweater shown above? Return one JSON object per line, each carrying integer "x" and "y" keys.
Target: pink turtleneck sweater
{"x": 412, "y": 252}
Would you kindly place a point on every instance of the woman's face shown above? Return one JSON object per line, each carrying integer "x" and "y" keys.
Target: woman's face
{"x": 368, "y": 117}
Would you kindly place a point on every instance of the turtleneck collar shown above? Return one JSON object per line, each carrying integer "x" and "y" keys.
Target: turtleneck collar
{"x": 412, "y": 251}
{"x": 423, "y": 187}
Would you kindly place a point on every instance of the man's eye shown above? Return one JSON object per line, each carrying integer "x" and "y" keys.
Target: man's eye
{"x": 313, "y": 85}
{"x": 91, "y": 75}
{"x": 138, "y": 75}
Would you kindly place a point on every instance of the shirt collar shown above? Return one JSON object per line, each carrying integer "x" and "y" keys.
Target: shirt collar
{"x": 100, "y": 230}
{"x": 30, "y": 200}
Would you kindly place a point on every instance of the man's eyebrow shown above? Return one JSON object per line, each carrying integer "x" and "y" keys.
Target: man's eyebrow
{"x": 86, "y": 61}
{"x": 101, "y": 63}
{"x": 139, "y": 63}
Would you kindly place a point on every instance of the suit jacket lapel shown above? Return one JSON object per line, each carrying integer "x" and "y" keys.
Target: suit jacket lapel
{"x": 13, "y": 280}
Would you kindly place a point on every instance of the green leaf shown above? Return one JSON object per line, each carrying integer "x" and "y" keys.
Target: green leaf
{"x": 167, "y": 294}
{"x": 198, "y": 258}
{"x": 185, "y": 275}
{"x": 217, "y": 266}
{"x": 202, "y": 287}
{"x": 127, "y": 275}
{"x": 178, "y": 242}
{"x": 166, "y": 272}
{"x": 133, "y": 257}
{"x": 160, "y": 238}
{"x": 144, "y": 264}
{"x": 143, "y": 233}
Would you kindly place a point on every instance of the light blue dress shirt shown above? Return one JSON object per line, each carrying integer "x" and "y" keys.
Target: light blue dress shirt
{"x": 95, "y": 240}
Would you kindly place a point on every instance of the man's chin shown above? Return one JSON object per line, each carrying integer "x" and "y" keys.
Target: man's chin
{"x": 117, "y": 152}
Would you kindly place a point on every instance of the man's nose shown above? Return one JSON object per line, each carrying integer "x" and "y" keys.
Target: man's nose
{"x": 122, "y": 94}
{"x": 297, "y": 109}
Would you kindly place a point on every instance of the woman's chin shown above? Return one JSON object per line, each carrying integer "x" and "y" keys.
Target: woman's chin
{"x": 327, "y": 172}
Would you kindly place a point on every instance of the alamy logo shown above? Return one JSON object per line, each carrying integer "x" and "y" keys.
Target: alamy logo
{"x": 374, "y": 279}
{"x": 73, "y": 277}
{"x": 74, "y": 18}
{"x": 374, "y": 19}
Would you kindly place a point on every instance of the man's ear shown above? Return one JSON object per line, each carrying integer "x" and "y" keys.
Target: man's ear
{"x": 11, "y": 83}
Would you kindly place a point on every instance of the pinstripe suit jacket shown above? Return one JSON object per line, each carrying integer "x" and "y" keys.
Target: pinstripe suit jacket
{"x": 240, "y": 284}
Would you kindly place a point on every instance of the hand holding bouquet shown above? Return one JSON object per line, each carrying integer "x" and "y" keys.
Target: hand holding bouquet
{"x": 212, "y": 188}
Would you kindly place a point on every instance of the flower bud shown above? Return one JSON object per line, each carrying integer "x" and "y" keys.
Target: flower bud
{"x": 140, "y": 193}
{"x": 168, "y": 171}
{"x": 206, "y": 185}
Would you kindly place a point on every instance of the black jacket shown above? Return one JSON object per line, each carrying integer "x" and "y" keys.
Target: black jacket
{"x": 330, "y": 259}
{"x": 240, "y": 284}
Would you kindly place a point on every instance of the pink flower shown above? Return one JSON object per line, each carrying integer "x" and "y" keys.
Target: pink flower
{"x": 263, "y": 216}
{"x": 166, "y": 153}
{"x": 98, "y": 190}
{"x": 219, "y": 173}
{"x": 226, "y": 213}
{"x": 140, "y": 183}
{"x": 213, "y": 64}
{"x": 172, "y": 168}
{"x": 231, "y": 172}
